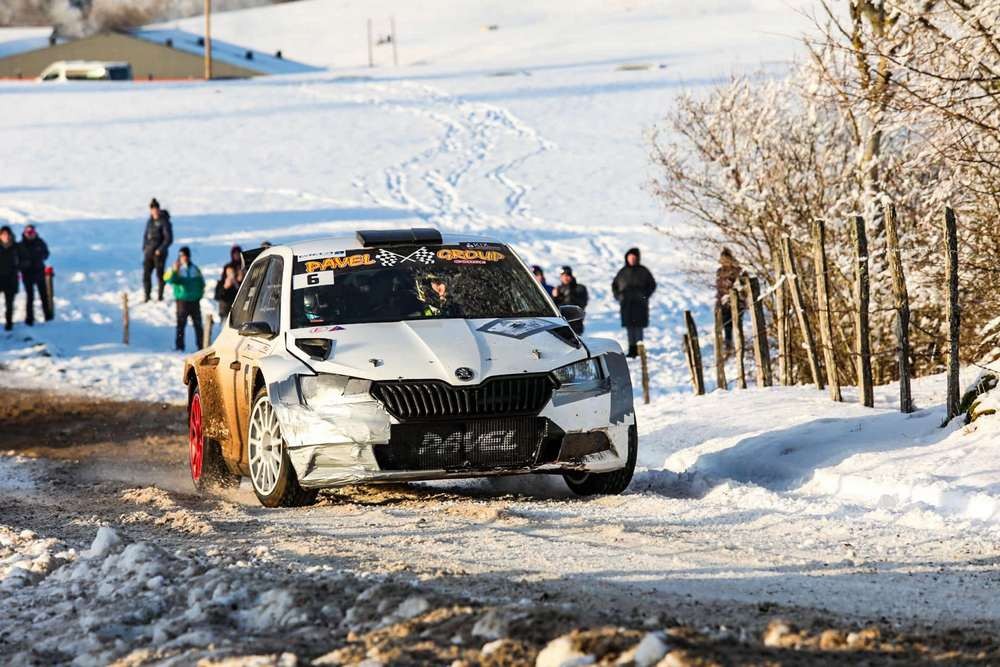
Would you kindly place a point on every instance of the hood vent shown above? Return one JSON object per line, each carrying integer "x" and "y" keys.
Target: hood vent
{"x": 318, "y": 349}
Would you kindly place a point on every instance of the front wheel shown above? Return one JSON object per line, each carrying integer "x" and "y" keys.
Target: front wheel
{"x": 606, "y": 483}
{"x": 208, "y": 470}
{"x": 271, "y": 473}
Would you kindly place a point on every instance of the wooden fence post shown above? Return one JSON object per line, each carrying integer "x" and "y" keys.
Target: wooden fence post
{"x": 795, "y": 287}
{"x": 823, "y": 296}
{"x": 862, "y": 296}
{"x": 371, "y": 58}
{"x": 206, "y": 333}
{"x": 125, "y": 318}
{"x": 761, "y": 350}
{"x": 690, "y": 363}
{"x": 736, "y": 322}
{"x": 902, "y": 300}
{"x": 644, "y": 364}
{"x": 395, "y": 42}
{"x": 50, "y": 278}
{"x": 954, "y": 310}
{"x": 698, "y": 375}
{"x": 781, "y": 323}
{"x": 720, "y": 352}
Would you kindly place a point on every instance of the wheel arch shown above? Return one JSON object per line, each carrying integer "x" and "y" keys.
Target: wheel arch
{"x": 278, "y": 373}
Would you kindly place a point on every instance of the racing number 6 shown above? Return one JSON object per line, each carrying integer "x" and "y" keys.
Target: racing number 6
{"x": 312, "y": 279}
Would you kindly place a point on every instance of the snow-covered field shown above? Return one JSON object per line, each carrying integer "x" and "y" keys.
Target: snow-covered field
{"x": 535, "y": 132}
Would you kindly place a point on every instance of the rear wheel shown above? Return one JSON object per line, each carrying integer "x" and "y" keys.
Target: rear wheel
{"x": 606, "y": 483}
{"x": 208, "y": 469}
{"x": 271, "y": 472}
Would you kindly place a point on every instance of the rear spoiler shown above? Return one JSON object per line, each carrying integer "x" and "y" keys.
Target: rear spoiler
{"x": 389, "y": 237}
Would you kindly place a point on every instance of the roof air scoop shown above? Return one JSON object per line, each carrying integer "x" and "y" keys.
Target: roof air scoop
{"x": 388, "y": 237}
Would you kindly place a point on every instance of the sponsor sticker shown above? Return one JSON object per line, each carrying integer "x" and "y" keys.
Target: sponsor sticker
{"x": 343, "y": 262}
{"x": 314, "y": 279}
{"x": 516, "y": 328}
{"x": 470, "y": 256}
{"x": 320, "y": 255}
{"x": 335, "y": 327}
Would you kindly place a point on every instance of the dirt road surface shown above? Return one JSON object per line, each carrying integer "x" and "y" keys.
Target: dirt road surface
{"x": 108, "y": 557}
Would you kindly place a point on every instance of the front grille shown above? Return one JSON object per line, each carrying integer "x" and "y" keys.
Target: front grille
{"x": 480, "y": 444}
{"x": 432, "y": 399}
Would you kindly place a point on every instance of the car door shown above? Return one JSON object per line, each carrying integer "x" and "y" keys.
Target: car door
{"x": 267, "y": 308}
{"x": 230, "y": 365}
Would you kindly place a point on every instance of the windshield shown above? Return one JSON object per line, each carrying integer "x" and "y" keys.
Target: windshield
{"x": 466, "y": 280}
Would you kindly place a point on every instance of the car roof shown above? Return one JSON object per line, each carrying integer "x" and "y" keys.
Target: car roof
{"x": 88, "y": 63}
{"x": 350, "y": 242}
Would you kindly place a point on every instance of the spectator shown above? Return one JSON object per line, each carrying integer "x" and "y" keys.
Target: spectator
{"x": 570, "y": 293}
{"x": 155, "y": 244}
{"x": 632, "y": 288}
{"x": 726, "y": 277}
{"x": 32, "y": 255}
{"x": 189, "y": 286}
{"x": 9, "y": 260}
{"x": 540, "y": 277}
{"x": 230, "y": 281}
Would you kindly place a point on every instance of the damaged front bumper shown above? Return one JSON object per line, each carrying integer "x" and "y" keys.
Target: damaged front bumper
{"x": 340, "y": 437}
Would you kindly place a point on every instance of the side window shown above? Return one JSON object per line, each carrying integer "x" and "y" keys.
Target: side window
{"x": 269, "y": 302}
{"x": 247, "y": 296}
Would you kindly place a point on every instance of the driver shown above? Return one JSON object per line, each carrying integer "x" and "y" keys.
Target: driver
{"x": 438, "y": 301}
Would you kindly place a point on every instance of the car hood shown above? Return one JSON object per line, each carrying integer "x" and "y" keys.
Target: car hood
{"x": 434, "y": 349}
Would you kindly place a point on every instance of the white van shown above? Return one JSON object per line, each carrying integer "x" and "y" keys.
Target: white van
{"x": 87, "y": 70}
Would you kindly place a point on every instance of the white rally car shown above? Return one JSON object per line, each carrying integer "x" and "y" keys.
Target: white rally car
{"x": 403, "y": 355}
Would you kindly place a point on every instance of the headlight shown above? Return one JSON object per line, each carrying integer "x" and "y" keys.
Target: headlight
{"x": 319, "y": 389}
{"x": 588, "y": 370}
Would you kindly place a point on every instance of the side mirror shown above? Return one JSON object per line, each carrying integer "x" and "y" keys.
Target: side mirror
{"x": 571, "y": 313}
{"x": 257, "y": 330}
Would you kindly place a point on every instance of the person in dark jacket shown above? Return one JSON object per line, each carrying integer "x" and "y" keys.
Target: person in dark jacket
{"x": 230, "y": 281}
{"x": 155, "y": 244}
{"x": 189, "y": 287}
{"x": 570, "y": 293}
{"x": 632, "y": 288}
{"x": 32, "y": 254}
{"x": 540, "y": 277}
{"x": 9, "y": 262}
{"x": 726, "y": 277}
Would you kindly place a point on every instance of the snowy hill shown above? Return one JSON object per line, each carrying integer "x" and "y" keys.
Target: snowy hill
{"x": 552, "y": 155}
{"x": 535, "y": 132}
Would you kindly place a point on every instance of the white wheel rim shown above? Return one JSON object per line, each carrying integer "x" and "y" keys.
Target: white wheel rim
{"x": 266, "y": 446}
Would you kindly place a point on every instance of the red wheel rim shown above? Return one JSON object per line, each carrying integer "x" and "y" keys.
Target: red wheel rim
{"x": 196, "y": 440}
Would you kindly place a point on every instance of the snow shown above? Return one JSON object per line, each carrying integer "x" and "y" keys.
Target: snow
{"x": 534, "y": 132}
{"x": 15, "y": 473}
{"x": 561, "y": 652}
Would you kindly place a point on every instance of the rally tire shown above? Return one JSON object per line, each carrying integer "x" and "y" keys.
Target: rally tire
{"x": 271, "y": 473}
{"x": 607, "y": 483}
{"x": 208, "y": 470}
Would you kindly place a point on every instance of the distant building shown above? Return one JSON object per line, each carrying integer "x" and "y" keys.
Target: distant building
{"x": 153, "y": 54}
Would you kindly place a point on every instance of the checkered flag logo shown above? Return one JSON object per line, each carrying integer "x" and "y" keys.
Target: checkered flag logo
{"x": 387, "y": 257}
{"x": 423, "y": 255}
{"x": 390, "y": 258}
